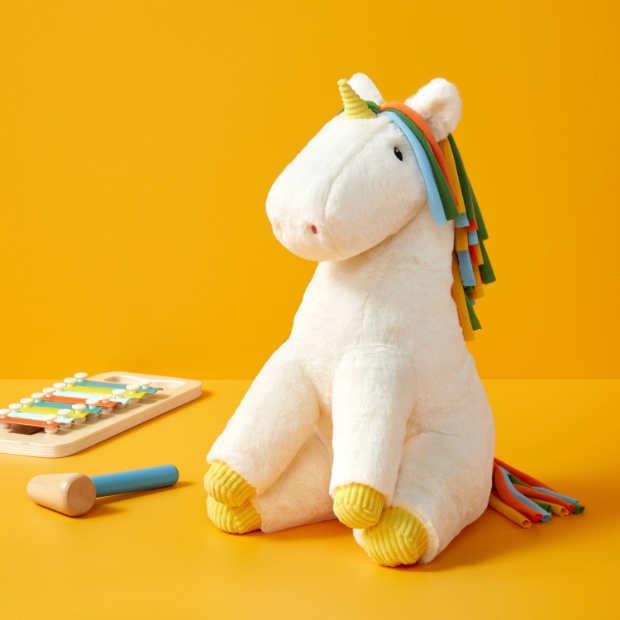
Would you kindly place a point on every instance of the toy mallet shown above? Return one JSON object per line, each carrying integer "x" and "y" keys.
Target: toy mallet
{"x": 74, "y": 494}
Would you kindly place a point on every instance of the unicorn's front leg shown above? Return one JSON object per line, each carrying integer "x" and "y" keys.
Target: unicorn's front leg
{"x": 443, "y": 485}
{"x": 273, "y": 421}
{"x": 373, "y": 397}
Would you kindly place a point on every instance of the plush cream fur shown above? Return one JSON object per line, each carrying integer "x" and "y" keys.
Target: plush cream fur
{"x": 365, "y": 88}
{"x": 439, "y": 104}
{"x": 375, "y": 384}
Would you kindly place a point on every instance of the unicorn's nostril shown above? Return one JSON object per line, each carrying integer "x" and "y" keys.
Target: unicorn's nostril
{"x": 313, "y": 229}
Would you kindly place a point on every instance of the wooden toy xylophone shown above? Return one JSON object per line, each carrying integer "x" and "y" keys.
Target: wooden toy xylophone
{"x": 79, "y": 412}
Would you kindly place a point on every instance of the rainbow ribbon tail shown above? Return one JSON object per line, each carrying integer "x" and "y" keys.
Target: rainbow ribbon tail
{"x": 525, "y": 500}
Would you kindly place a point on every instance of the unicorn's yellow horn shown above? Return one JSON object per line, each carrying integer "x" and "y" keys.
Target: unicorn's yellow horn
{"x": 354, "y": 105}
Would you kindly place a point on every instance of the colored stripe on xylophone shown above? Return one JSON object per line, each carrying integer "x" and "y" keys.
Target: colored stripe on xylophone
{"x": 49, "y": 426}
{"x": 45, "y": 416}
{"x": 70, "y": 393}
{"x": 77, "y": 401}
{"x": 81, "y": 385}
{"x": 27, "y": 410}
{"x": 50, "y": 422}
{"x": 44, "y": 406}
{"x": 114, "y": 386}
{"x": 97, "y": 390}
{"x": 26, "y": 415}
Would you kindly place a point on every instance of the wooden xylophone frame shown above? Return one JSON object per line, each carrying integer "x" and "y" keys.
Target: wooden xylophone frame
{"x": 173, "y": 393}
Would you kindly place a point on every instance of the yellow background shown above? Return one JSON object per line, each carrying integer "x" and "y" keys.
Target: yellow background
{"x": 138, "y": 141}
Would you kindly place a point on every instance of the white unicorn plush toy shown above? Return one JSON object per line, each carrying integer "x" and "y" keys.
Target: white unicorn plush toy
{"x": 372, "y": 411}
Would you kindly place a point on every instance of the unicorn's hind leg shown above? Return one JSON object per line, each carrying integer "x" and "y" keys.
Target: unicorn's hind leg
{"x": 300, "y": 496}
{"x": 443, "y": 485}
{"x": 273, "y": 421}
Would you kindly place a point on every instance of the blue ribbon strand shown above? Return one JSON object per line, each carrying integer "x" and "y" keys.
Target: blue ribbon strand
{"x": 432, "y": 193}
{"x": 526, "y": 500}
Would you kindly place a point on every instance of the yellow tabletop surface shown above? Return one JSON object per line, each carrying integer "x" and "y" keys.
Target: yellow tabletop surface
{"x": 156, "y": 555}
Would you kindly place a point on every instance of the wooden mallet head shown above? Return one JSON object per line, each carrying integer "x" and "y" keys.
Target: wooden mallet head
{"x": 71, "y": 494}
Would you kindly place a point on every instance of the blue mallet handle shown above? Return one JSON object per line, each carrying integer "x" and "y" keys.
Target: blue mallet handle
{"x": 135, "y": 480}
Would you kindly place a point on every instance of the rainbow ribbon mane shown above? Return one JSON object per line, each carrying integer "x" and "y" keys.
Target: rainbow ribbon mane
{"x": 450, "y": 197}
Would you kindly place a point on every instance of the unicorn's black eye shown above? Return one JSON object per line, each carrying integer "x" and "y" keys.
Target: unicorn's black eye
{"x": 398, "y": 153}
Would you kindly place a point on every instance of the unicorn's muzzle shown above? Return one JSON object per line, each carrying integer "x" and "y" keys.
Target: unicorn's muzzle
{"x": 307, "y": 239}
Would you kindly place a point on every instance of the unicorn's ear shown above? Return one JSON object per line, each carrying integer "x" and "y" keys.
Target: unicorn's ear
{"x": 365, "y": 88}
{"x": 439, "y": 104}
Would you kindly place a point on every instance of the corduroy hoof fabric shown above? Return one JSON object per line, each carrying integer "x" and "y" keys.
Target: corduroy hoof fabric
{"x": 234, "y": 520}
{"x": 398, "y": 538}
{"x": 358, "y": 506}
{"x": 226, "y": 486}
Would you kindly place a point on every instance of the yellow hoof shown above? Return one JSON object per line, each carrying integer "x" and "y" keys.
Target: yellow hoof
{"x": 358, "y": 506}
{"x": 398, "y": 538}
{"x": 226, "y": 486}
{"x": 234, "y": 520}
